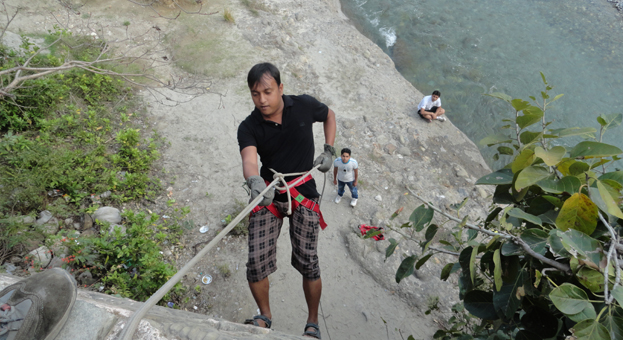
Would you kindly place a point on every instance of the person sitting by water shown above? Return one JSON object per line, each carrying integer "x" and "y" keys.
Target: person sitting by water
{"x": 430, "y": 107}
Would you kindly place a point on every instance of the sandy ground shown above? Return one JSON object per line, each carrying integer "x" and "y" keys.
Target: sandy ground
{"x": 321, "y": 54}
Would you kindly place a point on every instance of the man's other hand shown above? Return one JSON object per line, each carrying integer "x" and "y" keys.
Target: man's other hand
{"x": 257, "y": 185}
{"x": 326, "y": 158}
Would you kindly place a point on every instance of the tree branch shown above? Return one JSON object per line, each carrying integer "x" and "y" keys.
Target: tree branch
{"x": 513, "y": 238}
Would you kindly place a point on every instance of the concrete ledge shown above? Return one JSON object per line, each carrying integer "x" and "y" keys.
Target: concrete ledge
{"x": 97, "y": 316}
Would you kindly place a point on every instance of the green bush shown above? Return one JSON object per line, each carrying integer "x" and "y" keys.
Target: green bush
{"x": 545, "y": 263}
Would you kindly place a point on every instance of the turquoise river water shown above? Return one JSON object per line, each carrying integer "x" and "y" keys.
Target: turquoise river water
{"x": 470, "y": 47}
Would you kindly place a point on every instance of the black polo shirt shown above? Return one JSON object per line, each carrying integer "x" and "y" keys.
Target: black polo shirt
{"x": 287, "y": 147}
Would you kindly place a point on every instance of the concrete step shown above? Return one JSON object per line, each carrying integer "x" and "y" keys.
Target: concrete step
{"x": 97, "y": 316}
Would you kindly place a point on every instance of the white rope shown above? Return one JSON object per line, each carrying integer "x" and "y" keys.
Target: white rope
{"x": 135, "y": 318}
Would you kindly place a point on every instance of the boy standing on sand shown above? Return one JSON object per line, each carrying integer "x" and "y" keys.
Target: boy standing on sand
{"x": 430, "y": 107}
{"x": 345, "y": 172}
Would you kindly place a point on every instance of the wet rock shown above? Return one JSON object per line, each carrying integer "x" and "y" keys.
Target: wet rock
{"x": 107, "y": 214}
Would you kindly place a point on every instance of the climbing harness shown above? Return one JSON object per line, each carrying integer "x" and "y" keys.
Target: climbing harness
{"x": 290, "y": 188}
{"x": 135, "y": 318}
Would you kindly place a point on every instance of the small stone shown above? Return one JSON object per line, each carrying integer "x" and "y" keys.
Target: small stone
{"x": 391, "y": 148}
{"x": 41, "y": 256}
{"x": 87, "y": 222}
{"x": 121, "y": 228}
{"x": 89, "y": 232}
{"x": 378, "y": 198}
{"x": 107, "y": 214}
{"x": 86, "y": 278}
{"x": 405, "y": 151}
{"x": 44, "y": 217}
{"x": 69, "y": 222}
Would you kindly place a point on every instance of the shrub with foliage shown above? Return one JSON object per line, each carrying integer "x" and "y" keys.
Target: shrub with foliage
{"x": 546, "y": 262}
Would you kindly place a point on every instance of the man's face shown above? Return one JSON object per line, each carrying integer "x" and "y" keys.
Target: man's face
{"x": 434, "y": 97}
{"x": 266, "y": 96}
{"x": 345, "y": 158}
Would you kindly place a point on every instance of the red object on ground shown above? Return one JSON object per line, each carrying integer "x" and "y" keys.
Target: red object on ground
{"x": 365, "y": 228}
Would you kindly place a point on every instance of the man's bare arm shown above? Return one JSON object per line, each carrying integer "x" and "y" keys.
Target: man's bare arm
{"x": 329, "y": 127}
{"x": 249, "y": 162}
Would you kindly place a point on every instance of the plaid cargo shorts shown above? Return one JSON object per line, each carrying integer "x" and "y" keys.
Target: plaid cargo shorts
{"x": 264, "y": 229}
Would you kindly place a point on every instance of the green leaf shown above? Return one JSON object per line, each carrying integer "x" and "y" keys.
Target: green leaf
{"x": 529, "y": 176}
{"x": 586, "y": 132}
{"x": 579, "y": 213}
{"x": 590, "y": 330}
{"x": 613, "y": 208}
{"x": 556, "y": 246}
{"x": 582, "y": 246}
{"x": 591, "y": 279}
{"x": 406, "y": 268}
{"x": 505, "y": 150}
{"x": 578, "y": 168}
{"x": 569, "y": 299}
{"x": 529, "y": 137}
{"x": 543, "y": 78}
{"x": 502, "y": 176}
{"x": 497, "y": 271}
{"x": 609, "y": 121}
{"x": 500, "y": 95}
{"x": 568, "y": 184}
{"x": 445, "y": 272}
{"x": 472, "y": 264}
{"x": 510, "y": 248}
{"x": 480, "y": 304}
{"x": 516, "y": 212}
{"x": 532, "y": 115}
{"x": 421, "y": 216}
{"x": 536, "y": 239}
{"x": 519, "y": 104}
{"x": 614, "y": 325}
{"x": 430, "y": 232}
{"x": 391, "y": 248}
{"x": 616, "y": 176}
{"x": 499, "y": 138}
{"x": 552, "y": 156}
{"x": 586, "y": 314}
{"x": 523, "y": 160}
{"x": 423, "y": 260}
{"x": 509, "y": 298}
{"x": 617, "y": 293}
{"x": 589, "y": 149}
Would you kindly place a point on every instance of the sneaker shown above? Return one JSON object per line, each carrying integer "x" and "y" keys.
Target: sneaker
{"x": 37, "y": 307}
{"x": 338, "y": 199}
{"x": 353, "y": 202}
{"x": 441, "y": 118}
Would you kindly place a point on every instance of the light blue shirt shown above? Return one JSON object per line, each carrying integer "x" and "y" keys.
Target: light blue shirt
{"x": 346, "y": 171}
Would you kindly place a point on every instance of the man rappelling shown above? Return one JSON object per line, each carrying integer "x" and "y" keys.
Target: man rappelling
{"x": 279, "y": 130}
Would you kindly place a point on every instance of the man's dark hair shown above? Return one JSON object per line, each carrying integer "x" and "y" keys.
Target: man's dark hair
{"x": 345, "y": 150}
{"x": 258, "y": 71}
{"x": 435, "y": 93}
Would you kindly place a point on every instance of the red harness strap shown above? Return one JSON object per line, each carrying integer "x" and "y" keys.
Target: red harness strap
{"x": 297, "y": 199}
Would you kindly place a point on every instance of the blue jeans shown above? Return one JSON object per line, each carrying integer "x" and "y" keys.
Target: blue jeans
{"x": 340, "y": 188}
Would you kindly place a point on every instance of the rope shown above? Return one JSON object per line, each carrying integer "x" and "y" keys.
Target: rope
{"x": 135, "y": 318}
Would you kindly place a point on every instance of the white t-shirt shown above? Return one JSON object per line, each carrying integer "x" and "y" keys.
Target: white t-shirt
{"x": 345, "y": 172}
{"x": 427, "y": 102}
